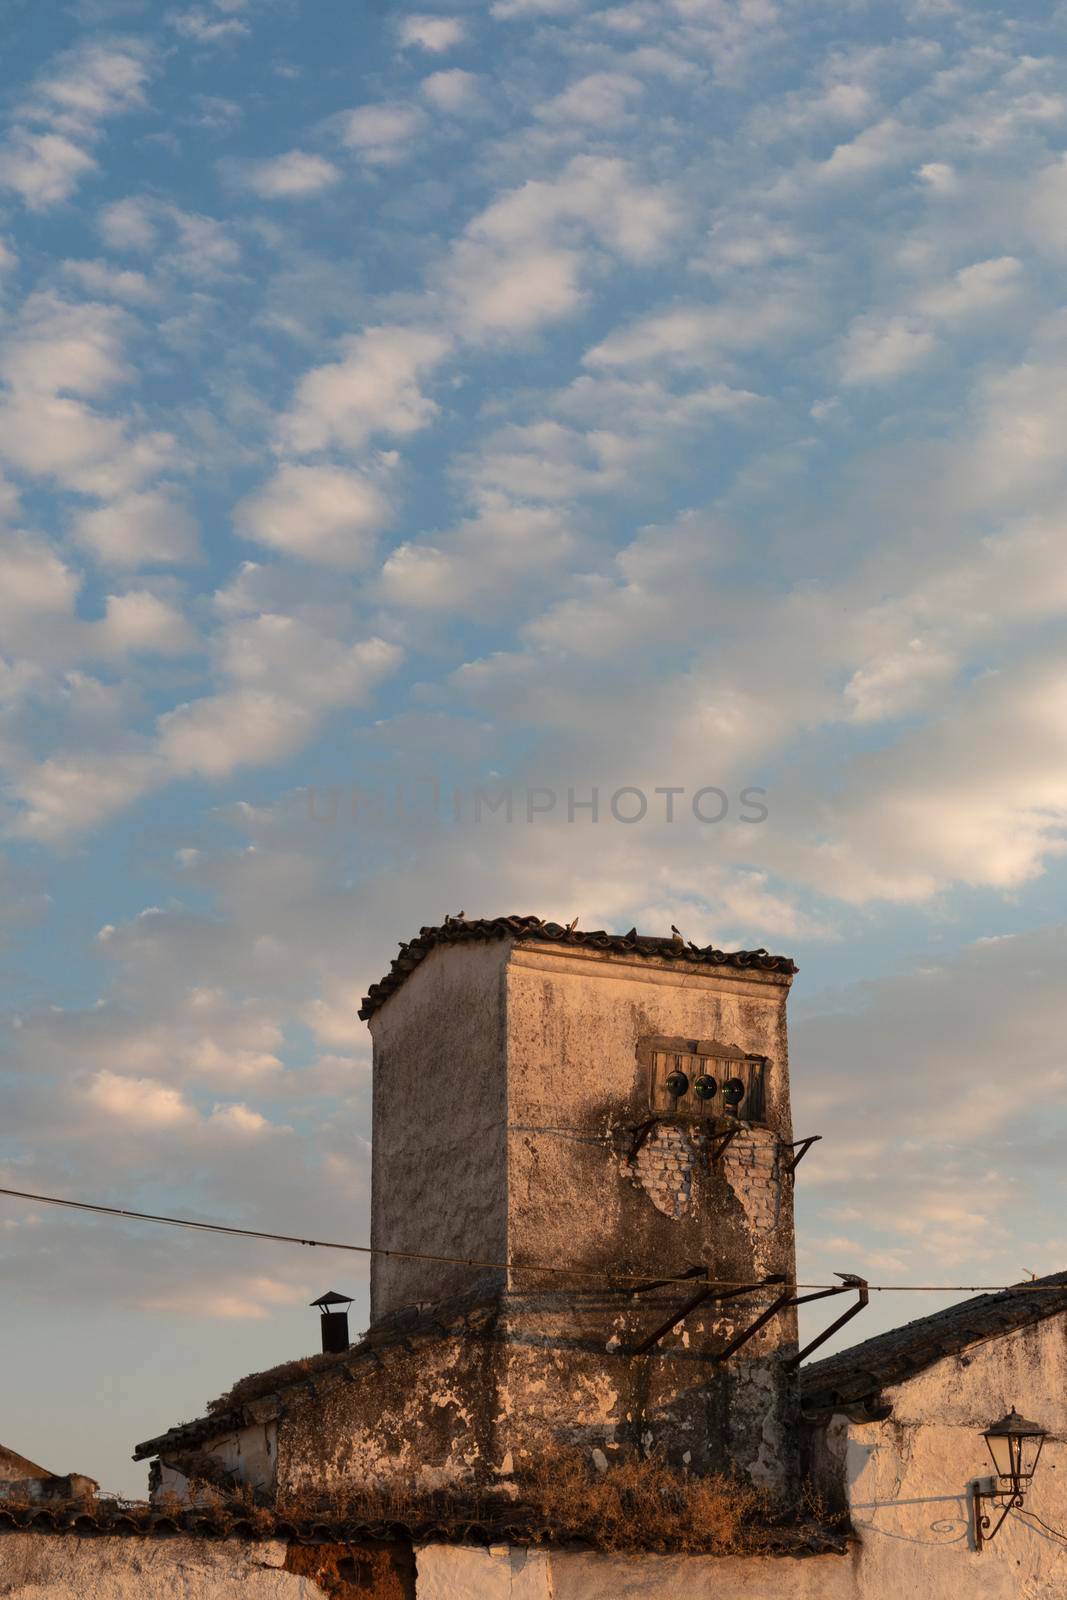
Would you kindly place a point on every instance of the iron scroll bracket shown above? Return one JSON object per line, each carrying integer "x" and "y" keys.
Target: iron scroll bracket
{"x": 983, "y": 1530}
{"x": 800, "y": 1148}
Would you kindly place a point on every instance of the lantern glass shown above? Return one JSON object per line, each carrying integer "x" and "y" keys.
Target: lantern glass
{"x": 1015, "y": 1446}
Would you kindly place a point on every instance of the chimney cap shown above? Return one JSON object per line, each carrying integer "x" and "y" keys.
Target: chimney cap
{"x": 332, "y": 1298}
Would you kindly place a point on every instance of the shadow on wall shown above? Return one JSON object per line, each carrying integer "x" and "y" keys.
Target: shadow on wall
{"x": 952, "y": 1530}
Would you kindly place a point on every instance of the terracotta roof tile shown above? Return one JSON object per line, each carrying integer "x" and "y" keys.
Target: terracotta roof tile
{"x": 457, "y": 930}
{"x": 508, "y": 1522}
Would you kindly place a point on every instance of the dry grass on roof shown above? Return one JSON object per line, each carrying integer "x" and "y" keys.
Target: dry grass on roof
{"x": 633, "y": 1505}
{"x": 644, "y": 1504}
{"x": 258, "y": 1384}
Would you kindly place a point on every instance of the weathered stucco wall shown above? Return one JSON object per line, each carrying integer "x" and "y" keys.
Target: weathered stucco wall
{"x": 512, "y": 1573}
{"x": 907, "y": 1480}
{"x": 509, "y": 1099}
{"x": 422, "y": 1410}
{"x": 575, "y": 1088}
{"x": 438, "y": 1176}
{"x": 584, "y": 1189}
{"x": 37, "y": 1566}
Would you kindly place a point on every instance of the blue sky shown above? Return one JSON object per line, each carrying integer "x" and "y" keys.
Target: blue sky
{"x": 534, "y": 397}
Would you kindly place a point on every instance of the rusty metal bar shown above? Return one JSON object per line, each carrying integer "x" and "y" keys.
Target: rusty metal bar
{"x": 691, "y": 1305}
{"x": 724, "y": 1138}
{"x": 641, "y": 1133}
{"x": 860, "y": 1285}
{"x": 786, "y": 1301}
{"x": 662, "y": 1283}
{"x": 750, "y": 1332}
{"x": 801, "y": 1147}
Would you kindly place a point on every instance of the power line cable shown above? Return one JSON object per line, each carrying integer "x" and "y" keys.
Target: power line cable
{"x": 1024, "y": 1511}
{"x": 597, "y": 1279}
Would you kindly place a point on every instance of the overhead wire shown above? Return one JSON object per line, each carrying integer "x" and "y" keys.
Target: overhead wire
{"x": 598, "y": 1279}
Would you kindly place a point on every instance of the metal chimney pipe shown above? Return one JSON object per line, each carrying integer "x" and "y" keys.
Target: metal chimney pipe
{"x": 334, "y": 1321}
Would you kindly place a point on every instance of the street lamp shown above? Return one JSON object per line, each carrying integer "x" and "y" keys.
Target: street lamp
{"x": 1014, "y": 1447}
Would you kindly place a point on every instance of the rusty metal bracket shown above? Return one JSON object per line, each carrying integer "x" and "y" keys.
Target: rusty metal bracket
{"x": 850, "y": 1280}
{"x": 700, "y": 1271}
{"x": 640, "y": 1134}
{"x": 800, "y": 1148}
{"x": 709, "y": 1293}
{"x": 786, "y": 1301}
{"x": 721, "y": 1142}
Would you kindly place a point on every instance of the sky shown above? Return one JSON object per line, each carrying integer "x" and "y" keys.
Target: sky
{"x": 414, "y": 423}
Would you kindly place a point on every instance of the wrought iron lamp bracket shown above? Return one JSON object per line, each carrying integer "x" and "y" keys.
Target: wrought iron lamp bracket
{"x": 983, "y": 1533}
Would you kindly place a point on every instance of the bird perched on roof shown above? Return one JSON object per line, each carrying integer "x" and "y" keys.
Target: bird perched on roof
{"x": 678, "y": 936}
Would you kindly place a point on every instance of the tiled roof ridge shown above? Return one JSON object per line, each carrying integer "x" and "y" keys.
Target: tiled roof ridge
{"x": 479, "y": 1525}
{"x": 458, "y": 929}
{"x": 858, "y": 1374}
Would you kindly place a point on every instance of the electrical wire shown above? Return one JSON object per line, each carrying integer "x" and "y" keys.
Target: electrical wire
{"x": 1024, "y": 1511}
{"x": 124, "y": 1212}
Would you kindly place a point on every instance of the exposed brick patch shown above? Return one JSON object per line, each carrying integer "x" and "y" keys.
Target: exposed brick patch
{"x": 356, "y": 1571}
{"x": 754, "y": 1174}
{"x": 664, "y": 1168}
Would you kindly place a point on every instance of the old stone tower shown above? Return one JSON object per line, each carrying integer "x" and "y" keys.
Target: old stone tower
{"x": 612, "y": 1107}
{"x": 582, "y": 1208}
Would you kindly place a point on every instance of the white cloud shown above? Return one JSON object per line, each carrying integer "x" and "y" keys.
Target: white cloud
{"x": 72, "y": 793}
{"x": 285, "y": 675}
{"x": 209, "y": 738}
{"x": 197, "y": 246}
{"x": 291, "y": 176}
{"x": 128, "y": 225}
{"x": 326, "y": 514}
{"x": 973, "y": 290}
{"x": 373, "y": 388}
{"x": 627, "y": 433}
{"x": 204, "y": 27}
{"x": 59, "y": 346}
{"x": 434, "y": 33}
{"x": 694, "y": 335}
{"x": 44, "y": 168}
{"x": 453, "y": 90}
{"x": 240, "y": 1120}
{"x": 45, "y": 155}
{"x": 34, "y": 582}
{"x": 603, "y": 98}
{"x": 140, "y": 1103}
{"x": 244, "y": 1299}
{"x": 898, "y": 683}
{"x": 139, "y": 621}
{"x": 138, "y": 529}
{"x": 100, "y": 278}
{"x": 381, "y": 133}
{"x": 879, "y": 348}
{"x": 520, "y": 263}
{"x": 491, "y": 558}
{"x": 88, "y": 84}
{"x": 510, "y": 10}
{"x": 57, "y": 350}
{"x": 516, "y": 290}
